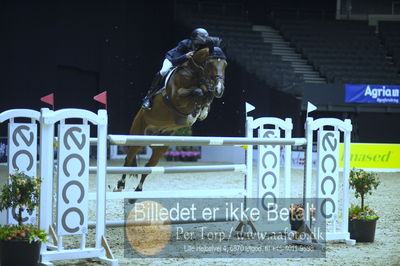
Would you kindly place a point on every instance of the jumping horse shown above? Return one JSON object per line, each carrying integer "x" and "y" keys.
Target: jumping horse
{"x": 186, "y": 98}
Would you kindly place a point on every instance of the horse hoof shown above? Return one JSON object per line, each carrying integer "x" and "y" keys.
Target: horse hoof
{"x": 118, "y": 189}
{"x": 132, "y": 201}
{"x": 135, "y": 176}
{"x": 198, "y": 92}
{"x": 121, "y": 185}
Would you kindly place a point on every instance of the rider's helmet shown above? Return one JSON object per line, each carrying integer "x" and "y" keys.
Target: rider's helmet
{"x": 199, "y": 37}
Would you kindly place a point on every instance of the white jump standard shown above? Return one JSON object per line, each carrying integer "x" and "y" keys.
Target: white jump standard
{"x": 72, "y": 194}
{"x": 22, "y": 152}
{"x": 73, "y": 172}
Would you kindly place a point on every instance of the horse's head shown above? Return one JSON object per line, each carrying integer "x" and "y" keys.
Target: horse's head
{"x": 215, "y": 72}
{"x": 214, "y": 63}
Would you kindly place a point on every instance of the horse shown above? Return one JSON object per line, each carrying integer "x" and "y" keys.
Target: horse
{"x": 186, "y": 98}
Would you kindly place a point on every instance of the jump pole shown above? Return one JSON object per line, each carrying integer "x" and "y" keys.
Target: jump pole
{"x": 140, "y": 140}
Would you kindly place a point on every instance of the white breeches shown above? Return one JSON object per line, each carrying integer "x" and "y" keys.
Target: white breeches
{"x": 165, "y": 67}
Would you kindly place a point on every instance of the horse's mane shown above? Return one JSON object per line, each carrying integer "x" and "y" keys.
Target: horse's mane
{"x": 217, "y": 52}
{"x": 200, "y": 56}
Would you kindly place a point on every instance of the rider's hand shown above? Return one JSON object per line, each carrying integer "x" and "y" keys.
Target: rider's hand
{"x": 189, "y": 55}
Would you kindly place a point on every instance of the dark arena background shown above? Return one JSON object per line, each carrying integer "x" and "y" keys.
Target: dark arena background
{"x": 303, "y": 51}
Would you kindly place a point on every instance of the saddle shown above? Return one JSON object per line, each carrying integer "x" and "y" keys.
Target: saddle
{"x": 165, "y": 80}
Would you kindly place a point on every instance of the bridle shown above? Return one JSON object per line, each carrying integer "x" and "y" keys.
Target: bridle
{"x": 209, "y": 81}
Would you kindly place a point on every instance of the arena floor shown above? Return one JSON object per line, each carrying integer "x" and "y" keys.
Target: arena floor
{"x": 384, "y": 251}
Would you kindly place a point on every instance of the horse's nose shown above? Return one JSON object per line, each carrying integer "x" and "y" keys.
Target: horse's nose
{"x": 219, "y": 90}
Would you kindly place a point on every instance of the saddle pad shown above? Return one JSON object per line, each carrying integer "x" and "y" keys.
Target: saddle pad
{"x": 166, "y": 79}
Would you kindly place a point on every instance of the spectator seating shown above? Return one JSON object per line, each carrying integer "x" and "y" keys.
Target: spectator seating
{"x": 389, "y": 31}
{"x": 343, "y": 51}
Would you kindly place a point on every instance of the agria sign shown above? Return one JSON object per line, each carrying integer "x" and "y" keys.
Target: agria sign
{"x": 372, "y": 93}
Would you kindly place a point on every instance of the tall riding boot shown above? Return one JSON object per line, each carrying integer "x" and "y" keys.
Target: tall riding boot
{"x": 155, "y": 85}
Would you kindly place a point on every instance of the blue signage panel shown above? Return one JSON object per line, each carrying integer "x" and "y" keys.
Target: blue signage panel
{"x": 362, "y": 93}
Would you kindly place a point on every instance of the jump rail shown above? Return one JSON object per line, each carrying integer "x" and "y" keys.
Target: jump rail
{"x": 173, "y": 169}
{"x": 139, "y": 140}
{"x": 121, "y": 223}
{"x": 187, "y": 193}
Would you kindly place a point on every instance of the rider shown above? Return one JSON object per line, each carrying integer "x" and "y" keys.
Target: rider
{"x": 178, "y": 55}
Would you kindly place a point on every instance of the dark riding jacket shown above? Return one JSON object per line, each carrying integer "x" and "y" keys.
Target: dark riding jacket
{"x": 177, "y": 55}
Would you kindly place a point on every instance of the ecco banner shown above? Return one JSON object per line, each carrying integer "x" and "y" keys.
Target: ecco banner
{"x": 328, "y": 174}
{"x": 362, "y": 93}
{"x": 22, "y": 152}
{"x": 73, "y": 179}
{"x": 269, "y": 170}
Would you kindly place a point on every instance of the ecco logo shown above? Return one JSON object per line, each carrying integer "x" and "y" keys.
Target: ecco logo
{"x": 26, "y": 142}
{"x": 22, "y": 153}
{"x": 72, "y": 190}
{"x": 329, "y": 170}
{"x": 270, "y": 166}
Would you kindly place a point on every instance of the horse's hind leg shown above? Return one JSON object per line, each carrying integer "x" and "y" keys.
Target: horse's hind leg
{"x": 137, "y": 128}
{"x": 154, "y": 159}
{"x": 158, "y": 152}
{"x": 130, "y": 160}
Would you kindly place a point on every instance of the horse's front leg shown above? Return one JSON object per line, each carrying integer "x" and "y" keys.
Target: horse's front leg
{"x": 204, "y": 112}
{"x": 192, "y": 91}
{"x": 198, "y": 92}
{"x": 206, "y": 107}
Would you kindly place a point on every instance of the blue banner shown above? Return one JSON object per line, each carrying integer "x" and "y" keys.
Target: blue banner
{"x": 362, "y": 93}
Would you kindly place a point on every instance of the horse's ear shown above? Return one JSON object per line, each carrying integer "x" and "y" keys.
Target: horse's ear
{"x": 201, "y": 55}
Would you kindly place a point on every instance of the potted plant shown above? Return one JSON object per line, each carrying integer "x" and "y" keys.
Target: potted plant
{"x": 194, "y": 154}
{"x": 184, "y": 153}
{"x": 362, "y": 219}
{"x": 169, "y": 155}
{"x": 20, "y": 243}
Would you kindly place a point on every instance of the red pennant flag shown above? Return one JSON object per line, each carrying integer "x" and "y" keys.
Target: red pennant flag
{"x": 101, "y": 98}
{"x": 48, "y": 99}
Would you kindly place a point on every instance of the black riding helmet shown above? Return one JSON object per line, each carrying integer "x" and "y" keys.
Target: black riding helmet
{"x": 199, "y": 37}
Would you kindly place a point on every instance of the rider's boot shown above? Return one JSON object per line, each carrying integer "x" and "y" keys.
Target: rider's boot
{"x": 155, "y": 85}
